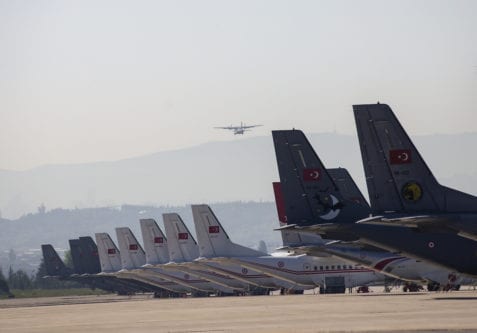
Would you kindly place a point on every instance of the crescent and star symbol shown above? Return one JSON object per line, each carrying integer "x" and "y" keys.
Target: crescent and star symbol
{"x": 314, "y": 174}
{"x": 329, "y": 203}
{"x": 404, "y": 157}
{"x": 333, "y": 212}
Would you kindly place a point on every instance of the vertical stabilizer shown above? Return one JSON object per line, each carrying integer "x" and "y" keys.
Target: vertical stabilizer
{"x": 213, "y": 240}
{"x": 132, "y": 254}
{"x": 182, "y": 245}
{"x": 347, "y": 186}
{"x": 53, "y": 263}
{"x": 291, "y": 237}
{"x": 311, "y": 196}
{"x": 90, "y": 255}
{"x": 76, "y": 256}
{"x": 398, "y": 179}
{"x": 109, "y": 256}
{"x": 155, "y": 242}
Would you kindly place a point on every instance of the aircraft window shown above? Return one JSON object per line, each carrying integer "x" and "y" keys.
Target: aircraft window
{"x": 327, "y": 267}
{"x": 338, "y": 267}
{"x": 321, "y": 268}
{"x": 332, "y": 266}
{"x": 316, "y": 268}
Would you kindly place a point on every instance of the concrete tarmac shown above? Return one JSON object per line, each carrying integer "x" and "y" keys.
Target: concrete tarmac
{"x": 424, "y": 312}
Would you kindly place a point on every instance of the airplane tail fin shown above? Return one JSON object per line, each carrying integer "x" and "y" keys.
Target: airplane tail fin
{"x": 90, "y": 255}
{"x": 76, "y": 256}
{"x": 311, "y": 195}
{"x": 347, "y": 186}
{"x": 155, "y": 242}
{"x": 398, "y": 178}
{"x": 109, "y": 255}
{"x": 181, "y": 243}
{"x": 53, "y": 263}
{"x": 291, "y": 237}
{"x": 132, "y": 254}
{"x": 213, "y": 240}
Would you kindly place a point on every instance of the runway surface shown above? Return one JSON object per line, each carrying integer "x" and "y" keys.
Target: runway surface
{"x": 456, "y": 311}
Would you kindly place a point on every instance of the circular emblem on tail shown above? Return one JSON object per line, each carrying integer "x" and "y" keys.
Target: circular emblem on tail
{"x": 329, "y": 205}
{"x": 412, "y": 192}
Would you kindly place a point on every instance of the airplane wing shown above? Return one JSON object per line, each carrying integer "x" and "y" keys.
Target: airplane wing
{"x": 251, "y": 126}
{"x": 315, "y": 229}
{"x": 439, "y": 223}
{"x": 228, "y": 127}
{"x": 271, "y": 271}
{"x": 417, "y": 221}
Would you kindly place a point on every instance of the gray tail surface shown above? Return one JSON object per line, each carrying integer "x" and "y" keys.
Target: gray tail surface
{"x": 77, "y": 256}
{"x": 90, "y": 256}
{"x": 347, "y": 186}
{"x": 53, "y": 263}
{"x": 289, "y": 237}
{"x": 398, "y": 179}
{"x": 311, "y": 195}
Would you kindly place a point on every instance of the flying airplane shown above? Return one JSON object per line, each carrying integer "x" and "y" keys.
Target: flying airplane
{"x": 239, "y": 129}
{"x": 314, "y": 203}
{"x": 401, "y": 186}
{"x": 301, "y": 271}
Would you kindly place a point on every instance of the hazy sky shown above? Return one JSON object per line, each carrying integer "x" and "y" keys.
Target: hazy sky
{"x": 83, "y": 81}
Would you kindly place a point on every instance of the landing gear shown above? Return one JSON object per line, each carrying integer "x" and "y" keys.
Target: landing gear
{"x": 412, "y": 287}
{"x": 433, "y": 286}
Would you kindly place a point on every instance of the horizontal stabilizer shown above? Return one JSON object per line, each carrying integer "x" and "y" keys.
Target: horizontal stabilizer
{"x": 418, "y": 221}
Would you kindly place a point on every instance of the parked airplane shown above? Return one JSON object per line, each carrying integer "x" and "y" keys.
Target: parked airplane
{"x": 183, "y": 250}
{"x": 111, "y": 265}
{"x": 403, "y": 190}
{"x": 298, "y": 271}
{"x": 314, "y": 203}
{"x": 56, "y": 269}
{"x": 157, "y": 255}
{"x": 241, "y": 129}
{"x": 134, "y": 258}
{"x": 393, "y": 265}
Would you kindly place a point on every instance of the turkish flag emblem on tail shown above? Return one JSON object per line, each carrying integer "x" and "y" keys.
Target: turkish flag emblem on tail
{"x": 183, "y": 235}
{"x": 133, "y": 247}
{"x": 214, "y": 229}
{"x": 400, "y": 156}
{"x": 158, "y": 240}
{"x": 111, "y": 251}
{"x": 311, "y": 175}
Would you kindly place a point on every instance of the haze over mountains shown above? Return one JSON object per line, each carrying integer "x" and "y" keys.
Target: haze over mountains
{"x": 242, "y": 169}
{"x": 234, "y": 177}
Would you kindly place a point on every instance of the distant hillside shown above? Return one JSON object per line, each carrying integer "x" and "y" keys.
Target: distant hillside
{"x": 213, "y": 172}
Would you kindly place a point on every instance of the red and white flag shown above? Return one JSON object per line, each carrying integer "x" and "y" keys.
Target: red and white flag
{"x": 400, "y": 156}
{"x": 214, "y": 229}
{"x": 111, "y": 251}
{"x": 158, "y": 240}
{"x": 183, "y": 235}
{"x": 311, "y": 175}
{"x": 133, "y": 247}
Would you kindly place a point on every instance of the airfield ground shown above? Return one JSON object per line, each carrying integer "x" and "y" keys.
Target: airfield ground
{"x": 424, "y": 312}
